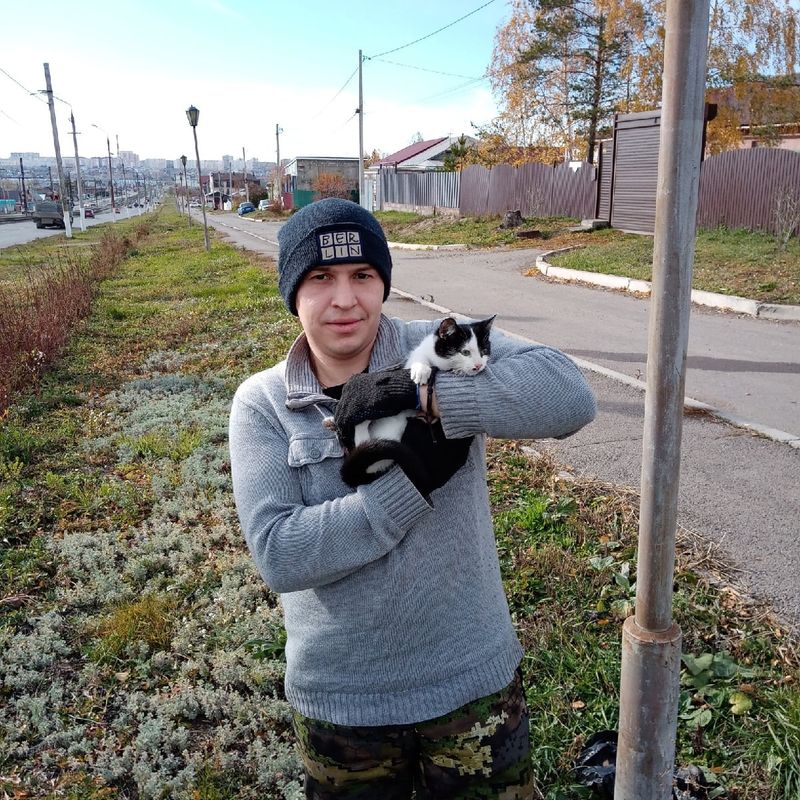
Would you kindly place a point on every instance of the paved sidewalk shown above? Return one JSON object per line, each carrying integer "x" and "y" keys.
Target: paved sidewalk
{"x": 738, "y": 491}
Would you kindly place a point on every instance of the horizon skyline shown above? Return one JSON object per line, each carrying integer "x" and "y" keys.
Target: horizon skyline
{"x": 248, "y": 67}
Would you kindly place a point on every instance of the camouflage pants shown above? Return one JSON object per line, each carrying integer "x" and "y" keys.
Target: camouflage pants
{"x": 477, "y": 752}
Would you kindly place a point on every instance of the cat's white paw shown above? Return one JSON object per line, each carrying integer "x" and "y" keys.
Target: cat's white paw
{"x": 420, "y": 372}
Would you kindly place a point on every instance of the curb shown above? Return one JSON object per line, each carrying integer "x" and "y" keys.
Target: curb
{"x": 404, "y": 246}
{"x": 689, "y": 403}
{"x": 726, "y": 302}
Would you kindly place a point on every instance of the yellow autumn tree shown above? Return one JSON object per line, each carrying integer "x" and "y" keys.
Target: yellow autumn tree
{"x": 561, "y": 68}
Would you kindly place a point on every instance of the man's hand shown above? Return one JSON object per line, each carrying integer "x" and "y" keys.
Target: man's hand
{"x": 372, "y": 395}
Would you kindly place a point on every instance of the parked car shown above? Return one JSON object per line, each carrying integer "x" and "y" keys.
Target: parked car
{"x": 194, "y": 204}
{"x": 263, "y": 205}
{"x": 88, "y": 213}
{"x": 245, "y": 208}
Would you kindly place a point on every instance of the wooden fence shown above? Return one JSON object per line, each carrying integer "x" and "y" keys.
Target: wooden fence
{"x": 738, "y": 189}
{"x": 536, "y": 190}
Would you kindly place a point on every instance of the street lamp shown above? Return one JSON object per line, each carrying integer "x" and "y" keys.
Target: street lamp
{"x": 186, "y": 184}
{"x": 192, "y": 115}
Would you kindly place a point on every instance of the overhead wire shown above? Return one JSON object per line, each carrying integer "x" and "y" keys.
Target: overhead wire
{"x": 343, "y": 87}
{"x": 25, "y": 89}
{"x": 433, "y": 33}
{"x": 426, "y": 69}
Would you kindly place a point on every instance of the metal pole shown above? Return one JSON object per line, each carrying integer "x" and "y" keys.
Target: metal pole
{"x": 66, "y": 211}
{"x": 24, "y": 190}
{"x": 278, "y": 181}
{"x": 360, "y": 134}
{"x": 125, "y": 189}
{"x": 244, "y": 173}
{"x": 651, "y": 641}
{"x": 186, "y": 182}
{"x": 111, "y": 181}
{"x": 82, "y": 215}
{"x": 200, "y": 181}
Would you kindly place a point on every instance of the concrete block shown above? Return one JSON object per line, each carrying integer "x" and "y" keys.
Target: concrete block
{"x": 774, "y": 311}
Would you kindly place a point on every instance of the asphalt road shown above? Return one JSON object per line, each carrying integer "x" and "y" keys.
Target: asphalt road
{"x": 738, "y": 491}
{"x": 13, "y": 233}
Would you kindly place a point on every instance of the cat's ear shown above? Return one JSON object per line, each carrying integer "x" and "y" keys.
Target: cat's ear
{"x": 447, "y": 328}
{"x": 485, "y": 325}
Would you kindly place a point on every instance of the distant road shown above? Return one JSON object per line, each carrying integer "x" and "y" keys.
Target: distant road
{"x": 14, "y": 233}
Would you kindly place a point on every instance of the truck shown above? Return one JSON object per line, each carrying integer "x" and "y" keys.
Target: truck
{"x": 48, "y": 212}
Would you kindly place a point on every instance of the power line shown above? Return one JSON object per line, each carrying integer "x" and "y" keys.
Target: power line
{"x": 452, "y": 90}
{"x": 428, "y": 36}
{"x": 10, "y": 117}
{"x": 344, "y": 85}
{"x": 425, "y": 69}
{"x": 27, "y": 91}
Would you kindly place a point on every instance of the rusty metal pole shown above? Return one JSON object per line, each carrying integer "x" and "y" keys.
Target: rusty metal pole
{"x": 651, "y": 641}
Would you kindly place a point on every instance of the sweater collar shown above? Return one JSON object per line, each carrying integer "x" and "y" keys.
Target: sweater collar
{"x": 302, "y": 386}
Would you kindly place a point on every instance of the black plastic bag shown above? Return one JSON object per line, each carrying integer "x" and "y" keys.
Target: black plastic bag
{"x": 596, "y": 767}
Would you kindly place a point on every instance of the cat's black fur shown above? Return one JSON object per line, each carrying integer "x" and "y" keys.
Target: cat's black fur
{"x": 448, "y": 341}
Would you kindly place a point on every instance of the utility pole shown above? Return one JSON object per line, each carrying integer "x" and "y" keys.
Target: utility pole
{"x": 278, "y": 181}
{"x": 66, "y": 211}
{"x": 111, "y": 180}
{"x": 125, "y": 191}
{"x": 24, "y": 191}
{"x": 651, "y": 641}
{"x": 360, "y": 134}
{"x": 186, "y": 181}
{"x": 244, "y": 173}
{"x": 82, "y": 215}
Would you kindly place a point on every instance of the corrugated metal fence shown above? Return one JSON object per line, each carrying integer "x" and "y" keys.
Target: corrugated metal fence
{"x": 535, "y": 189}
{"x": 420, "y": 189}
{"x": 738, "y": 189}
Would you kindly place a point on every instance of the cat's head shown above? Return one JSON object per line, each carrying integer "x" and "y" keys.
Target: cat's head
{"x": 465, "y": 346}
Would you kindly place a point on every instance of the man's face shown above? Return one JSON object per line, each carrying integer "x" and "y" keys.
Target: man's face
{"x": 340, "y": 308}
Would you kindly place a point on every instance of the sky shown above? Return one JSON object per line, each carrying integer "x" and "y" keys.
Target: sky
{"x": 133, "y": 68}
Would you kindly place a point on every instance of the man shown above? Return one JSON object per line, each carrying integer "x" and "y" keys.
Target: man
{"x": 401, "y": 657}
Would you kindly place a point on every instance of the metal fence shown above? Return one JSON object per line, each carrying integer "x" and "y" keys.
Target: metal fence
{"x": 419, "y": 189}
{"x": 738, "y": 189}
{"x": 535, "y": 189}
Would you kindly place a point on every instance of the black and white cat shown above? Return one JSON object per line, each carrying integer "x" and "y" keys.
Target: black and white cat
{"x": 463, "y": 348}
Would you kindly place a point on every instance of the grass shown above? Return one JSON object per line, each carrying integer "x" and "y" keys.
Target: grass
{"x": 733, "y": 262}
{"x": 404, "y": 226}
{"x": 140, "y": 653}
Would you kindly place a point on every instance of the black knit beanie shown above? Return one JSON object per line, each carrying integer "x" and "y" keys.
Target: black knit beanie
{"x": 330, "y": 231}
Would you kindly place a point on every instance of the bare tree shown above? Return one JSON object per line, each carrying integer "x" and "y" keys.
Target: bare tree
{"x": 785, "y": 214}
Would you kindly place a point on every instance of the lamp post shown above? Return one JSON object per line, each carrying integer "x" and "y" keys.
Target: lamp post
{"x": 192, "y": 114}
{"x": 186, "y": 197}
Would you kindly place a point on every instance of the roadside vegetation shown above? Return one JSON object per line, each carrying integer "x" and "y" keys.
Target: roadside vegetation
{"x": 406, "y": 226}
{"x": 141, "y": 655}
{"x": 734, "y": 262}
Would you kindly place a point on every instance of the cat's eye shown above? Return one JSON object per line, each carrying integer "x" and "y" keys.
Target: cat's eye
{"x": 465, "y": 352}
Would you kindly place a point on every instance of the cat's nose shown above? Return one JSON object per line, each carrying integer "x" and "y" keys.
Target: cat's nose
{"x": 477, "y": 367}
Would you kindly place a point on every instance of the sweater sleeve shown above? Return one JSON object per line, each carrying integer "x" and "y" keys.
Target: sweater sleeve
{"x": 297, "y": 546}
{"x": 527, "y": 391}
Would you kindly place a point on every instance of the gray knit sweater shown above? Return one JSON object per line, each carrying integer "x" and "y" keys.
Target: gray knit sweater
{"x": 394, "y": 607}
